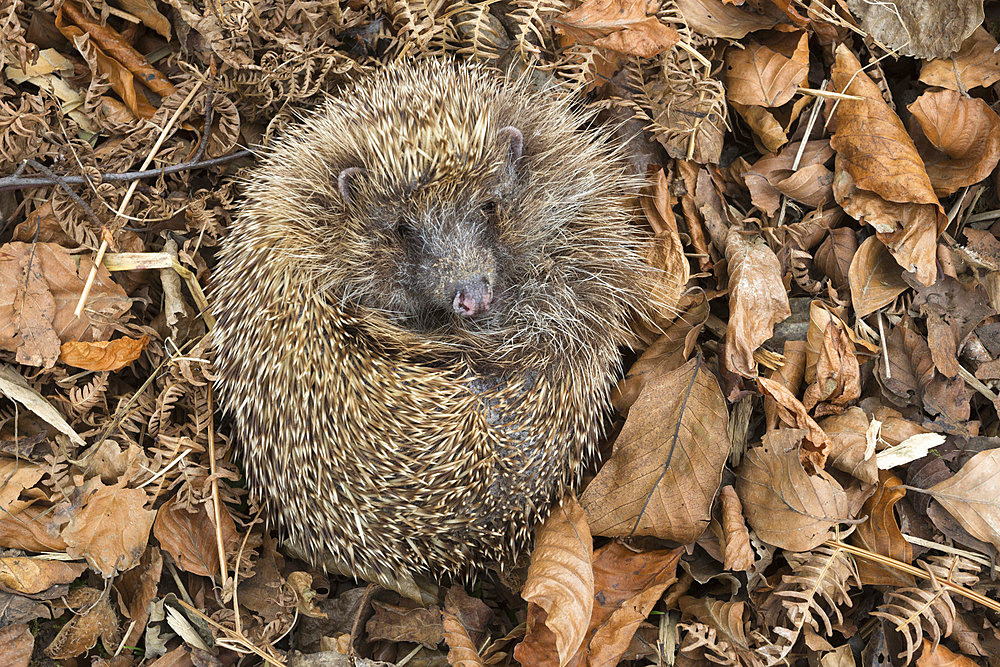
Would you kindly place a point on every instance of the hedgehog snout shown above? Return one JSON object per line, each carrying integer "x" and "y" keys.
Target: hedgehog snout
{"x": 473, "y": 298}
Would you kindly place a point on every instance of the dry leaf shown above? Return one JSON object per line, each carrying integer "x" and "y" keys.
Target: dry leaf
{"x": 972, "y": 496}
{"x": 883, "y": 183}
{"x": 111, "y": 529}
{"x": 976, "y": 64}
{"x": 461, "y": 651}
{"x": 759, "y": 76}
{"x": 668, "y": 460}
{"x": 880, "y": 534}
{"x": 757, "y": 299}
{"x": 876, "y": 279}
{"x": 849, "y": 445}
{"x": 93, "y": 618}
{"x": 36, "y": 311}
{"x": 623, "y": 26}
{"x": 960, "y": 139}
{"x": 136, "y": 590}
{"x": 189, "y": 537}
{"x": 560, "y": 587}
{"x": 791, "y": 412}
{"x": 934, "y": 654}
{"x": 734, "y": 539}
{"x": 626, "y": 586}
{"x": 21, "y": 574}
{"x": 831, "y": 364}
{"x": 112, "y": 355}
{"x": 925, "y": 30}
{"x": 16, "y": 645}
{"x": 784, "y": 505}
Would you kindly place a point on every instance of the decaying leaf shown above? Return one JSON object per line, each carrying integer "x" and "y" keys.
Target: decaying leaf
{"x": 189, "y": 537}
{"x": 111, "y": 529}
{"x": 972, "y": 496}
{"x": 109, "y": 355}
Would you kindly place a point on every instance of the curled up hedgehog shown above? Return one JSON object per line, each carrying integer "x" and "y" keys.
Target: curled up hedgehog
{"x": 420, "y": 307}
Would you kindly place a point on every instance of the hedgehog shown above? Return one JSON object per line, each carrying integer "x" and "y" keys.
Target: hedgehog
{"x": 421, "y": 307}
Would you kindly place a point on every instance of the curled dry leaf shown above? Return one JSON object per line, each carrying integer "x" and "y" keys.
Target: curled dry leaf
{"x": 189, "y": 537}
{"x": 849, "y": 444}
{"x": 36, "y": 310}
{"x": 972, "y": 496}
{"x": 880, "y": 534}
{"x": 735, "y": 539}
{"x": 111, "y": 355}
{"x": 560, "y": 586}
{"x": 784, "y": 505}
{"x": 757, "y": 299}
{"x": 880, "y": 178}
{"x": 910, "y": 368}
{"x": 461, "y": 651}
{"x": 790, "y": 411}
{"x": 960, "y": 139}
{"x": 831, "y": 364}
{"x": 136, "y": 590}
{"x": 976, "y": 64}
{"x": 772, "y": 176}
{"x": 667, "y": 462}
{"x": 876, "y": 279}
{"x": 93, "y": 618}
{"x": 111, "y": 530}
{"x": 20, "y": 574}
{"x": 665, "y": 251}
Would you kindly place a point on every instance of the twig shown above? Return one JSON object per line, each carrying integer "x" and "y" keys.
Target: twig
{"x": 128, "y": 196}
{"x": 215, "y": 493}
{"x": 17, "y": 182}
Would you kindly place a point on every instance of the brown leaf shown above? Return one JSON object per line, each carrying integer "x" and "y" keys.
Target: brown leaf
{"x": 976, "y": 64}
{"x": 16, "y": 645}
{"x": 831, "y": 364}
{"x": 626, "y": 586}
{"x": 560, "y": 586}
{"x": 136, "y": 589}
{"x": 757, "y": 299}
{"x": 772, "y": 176}
{"x": 21, "y": 574}
{"x": 28, "y": 528}
{"x": 938, "y": 655}
{"x": 726, "y": 622}
{"x": 36, "y": 311}
{"x": 764, "y": 125}
{"x": 972, "y": 496}
{"x": 189, "y": 537}
{"x": 406, "y": 622}
{"x": 880, "y": 534}
{"x": 474, "y": 614}
{"x": 735, "y": 538}
{"x": 836, "y": 254}
{"x": 876, "y": 279}
{"x": 461, "y": 651}
{"x": 784, "y": 505}
{"x": 953, "y": 309}
{"x": 928, "y": 29}
{"x": 910, "y": 366}
{"x": 623, "y": 26}
{"x": 149, "y": 15}
{"x": 667, "y": 462}
{"x": 759, "y": 76}
{"x": 112, "y": 355}
{"x": 849, "y": 445}
{"x": 93, "y": 618}
{"x": 791, "y": 412}
{"x": 665, "y": 249}
{"x": 111, "y": 530}
{"x": 960, "y": 139}
{"x": 883, "y": 182}
{"x": 789, "y": 375}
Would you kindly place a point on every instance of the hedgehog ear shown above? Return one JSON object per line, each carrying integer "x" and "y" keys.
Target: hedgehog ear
{"x": 345, "y": 181}
{"x": 515, "y": 140}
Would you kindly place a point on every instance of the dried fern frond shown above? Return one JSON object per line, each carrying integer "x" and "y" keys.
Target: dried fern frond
{"x": 914, "y": 611}
{"x": 818, "y": 589}
{"x": 532, "y": 34}
{"x": 475, "y": 32}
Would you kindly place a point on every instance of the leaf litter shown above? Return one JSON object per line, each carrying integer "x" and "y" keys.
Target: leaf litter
{"x": 802, "y": 466}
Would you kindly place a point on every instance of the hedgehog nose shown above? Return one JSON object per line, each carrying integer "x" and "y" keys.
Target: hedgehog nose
{"x": 473, "y": 298}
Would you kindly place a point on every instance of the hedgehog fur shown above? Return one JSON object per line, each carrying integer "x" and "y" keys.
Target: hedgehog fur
{"x": 378, "y": 424}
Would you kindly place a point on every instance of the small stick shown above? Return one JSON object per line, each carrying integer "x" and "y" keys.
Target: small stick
{"x": 128, "y": 197}
{"x": 829, "y": 93}
{"x": 224, "y": 571}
